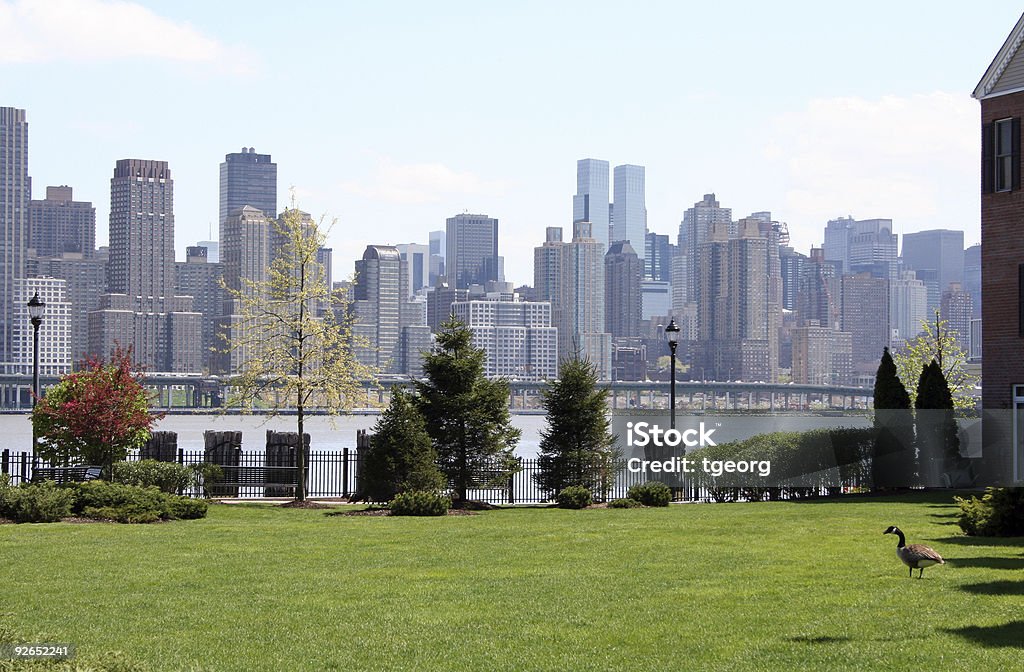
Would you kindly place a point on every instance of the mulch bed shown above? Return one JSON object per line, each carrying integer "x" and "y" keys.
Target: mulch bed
{"x": 308, "y": 504}
{"x": 386, "y": 512}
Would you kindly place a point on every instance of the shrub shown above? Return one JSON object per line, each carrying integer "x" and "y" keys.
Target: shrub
{"x": 624, "y": 503}
{"x": 132, "y": 504}
{"x": 651, "y": 493}
{"x": 575, "y": 497}
{"x": 999, "y": 513}
{"x": 206, "y": 475}
{"x": 170, "y": 477}
{"x": 37, "y": 503}
{"x": 186, "y": 508}
{"x": 420, "y": 503}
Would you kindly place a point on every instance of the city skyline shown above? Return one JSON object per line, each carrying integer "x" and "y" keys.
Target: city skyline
{"x": 760, "y": 140}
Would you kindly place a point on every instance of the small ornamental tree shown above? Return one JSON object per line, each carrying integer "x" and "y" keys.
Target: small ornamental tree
{"x": 95, "y": 415}
{"x": 467, "y": 415}
{"x": 576, "y": 448}
{"x": 893, "y": 460}
{"x": 938, "y": 342}
{"x": 401, "y": 456}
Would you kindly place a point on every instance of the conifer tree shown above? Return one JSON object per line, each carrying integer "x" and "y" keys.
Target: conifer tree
{"x": 466, "y": 414}
{"x": 937, "y": 439}
{"x": 893, "y": 462}
{"x": 401, "y": 456}
{"x": 577, "y": 447}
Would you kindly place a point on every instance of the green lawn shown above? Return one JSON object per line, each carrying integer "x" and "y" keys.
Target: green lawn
{"x": 772, "y": 586}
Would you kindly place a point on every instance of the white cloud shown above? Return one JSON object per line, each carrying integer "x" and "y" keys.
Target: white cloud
{"x": 106, "y": 30}
{"x": 913, "y": 159}
{"x": 420, "y": 183}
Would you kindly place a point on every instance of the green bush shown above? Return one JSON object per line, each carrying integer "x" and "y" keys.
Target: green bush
{"x": 651, "y": 493}
{"x": 132, "y": 504}
{"x": 999, "y": 513}
{"x": 186, "y": 508}
{"x": 37, "y": 503}
{"x": 206, "y": 475}
{"x": 419, "y": 503}
{"x": 170, "y": 477}
{"x": 624, "y": 503}
{"x": 575, "y": 497}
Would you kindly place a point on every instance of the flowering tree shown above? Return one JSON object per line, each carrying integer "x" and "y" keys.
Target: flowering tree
{"x": 95, "y": 415}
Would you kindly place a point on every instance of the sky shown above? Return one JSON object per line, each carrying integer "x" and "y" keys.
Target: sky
{"x": 387, "y": 118}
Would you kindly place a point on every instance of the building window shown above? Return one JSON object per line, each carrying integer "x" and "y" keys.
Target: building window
{"x": 1000, "y": 153}
{"x": 1004, "y": 154}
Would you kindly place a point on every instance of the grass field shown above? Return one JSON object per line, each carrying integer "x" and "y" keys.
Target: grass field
{"x": 772, "y": 586}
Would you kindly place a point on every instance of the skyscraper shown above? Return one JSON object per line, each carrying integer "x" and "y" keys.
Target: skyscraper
{"x": 248, "y": 178}
{"x": 516, "y": 336}
{"x": 377, "y": 307}
{"x": 140, "y": 308}
{"x": 695, "y": 229}
{"x": 864, "y": 307}
{"x": 659, "y": 254}
{"x": 15, "y": 193}
{"x": 590, "y": 204}
{"x": 956, "y": 309}
{"x": 418, "y": 258}
{"x": 629, "y": 217}
{"x": 581, "y": 326}
{"x": 972, "y": 277}
{"x": 622, "y": 290}
{"x": 862, "y": 246}
{"x": 59, "y": 224}
{"x": 940, "y": 250}
{"x": 472, "y": 256}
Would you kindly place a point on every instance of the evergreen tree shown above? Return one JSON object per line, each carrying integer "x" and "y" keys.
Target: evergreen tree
{"x": 576, "y": 448}
{"x": 893, "y": 462}
{"x": 937, "y": 439}
{"x": 401, "y": 456}
{"x": 466, "y": 414}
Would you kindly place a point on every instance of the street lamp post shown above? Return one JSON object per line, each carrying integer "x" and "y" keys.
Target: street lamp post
{"x": 35, "y": 314}
{"x": 672, "y": 334}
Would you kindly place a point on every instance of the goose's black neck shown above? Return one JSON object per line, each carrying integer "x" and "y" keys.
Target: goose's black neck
{"x": 903, "y": 540}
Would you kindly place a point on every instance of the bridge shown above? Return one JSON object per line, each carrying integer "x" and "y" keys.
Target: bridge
{"x": 186, "y": 392}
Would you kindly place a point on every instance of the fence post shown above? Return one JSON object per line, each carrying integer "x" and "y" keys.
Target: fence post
{"x": 4, "y": 457}
{"x": 344, "y": 472}
{"x": 511, "y": 489}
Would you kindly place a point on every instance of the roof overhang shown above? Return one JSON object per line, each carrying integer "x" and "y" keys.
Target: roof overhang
{"x": 995, "y": 70}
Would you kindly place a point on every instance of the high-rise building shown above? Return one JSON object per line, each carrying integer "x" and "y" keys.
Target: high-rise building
{"x": 248, "y": 178}
{"x": 438, "y": 248}
{"x": 590, "y": 204}
{"x": 377, "y": 307}
{"x": 622, "y": 290}
{"x": 659, "y": 254}
{"x": 516, "y": 337}
{"x": 972, "y": 277}
{"x": 739, "y": 302}
{"x": 418, "y": 258}
{"x": 15, "y": 194}
{"x": 821, "y": 355}
{"x": 199, "y": 278}
{"x": 956, "y": 309}
{"x": 59, "y": 224}
{"x": 655, "y": 299}
{"x": 629, "y": 216}
{"x": 140, "y": 308}
{"x": 792, "y": 264}
{"x": 472, "y": 250}
{"x": 247, "y": 247}
{"x": 85, "y": 282}
{"x": 818, "y": 297}
{"x": 940, "y": 250}
{"x": 212, "y": 250}
{"x": 579, "y": 302}
{"x": 54, "y": 331}
{"x": 908, "y": 306}
{"x": 862, "y": 246}
{"x": 696, "y": 228}
{"x": 864, "y": 307}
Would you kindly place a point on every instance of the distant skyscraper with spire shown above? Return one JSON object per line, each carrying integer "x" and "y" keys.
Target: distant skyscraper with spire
{"x": 590, "y": 204}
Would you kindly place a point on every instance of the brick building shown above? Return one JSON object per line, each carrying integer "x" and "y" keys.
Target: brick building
{"x": 1001, "y": 93}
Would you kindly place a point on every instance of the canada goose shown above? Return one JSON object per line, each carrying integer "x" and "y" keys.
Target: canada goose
{"x": 915, "y": 556}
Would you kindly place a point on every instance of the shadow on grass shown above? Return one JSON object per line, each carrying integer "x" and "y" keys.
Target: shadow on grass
{"x": 1006, "y": 635}
{"x": 965, "y": 540}
{"x": 995, "y": 588}
{"x": 821, "y": 639}
{"x": 936, "y": 499}
{"x": 988, "y": 563}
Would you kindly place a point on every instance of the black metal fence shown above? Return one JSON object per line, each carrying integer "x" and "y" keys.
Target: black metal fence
{"x": 333, "y": 474}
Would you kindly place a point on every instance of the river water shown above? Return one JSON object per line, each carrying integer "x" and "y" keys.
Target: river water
{"x": 16, "y": 431}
